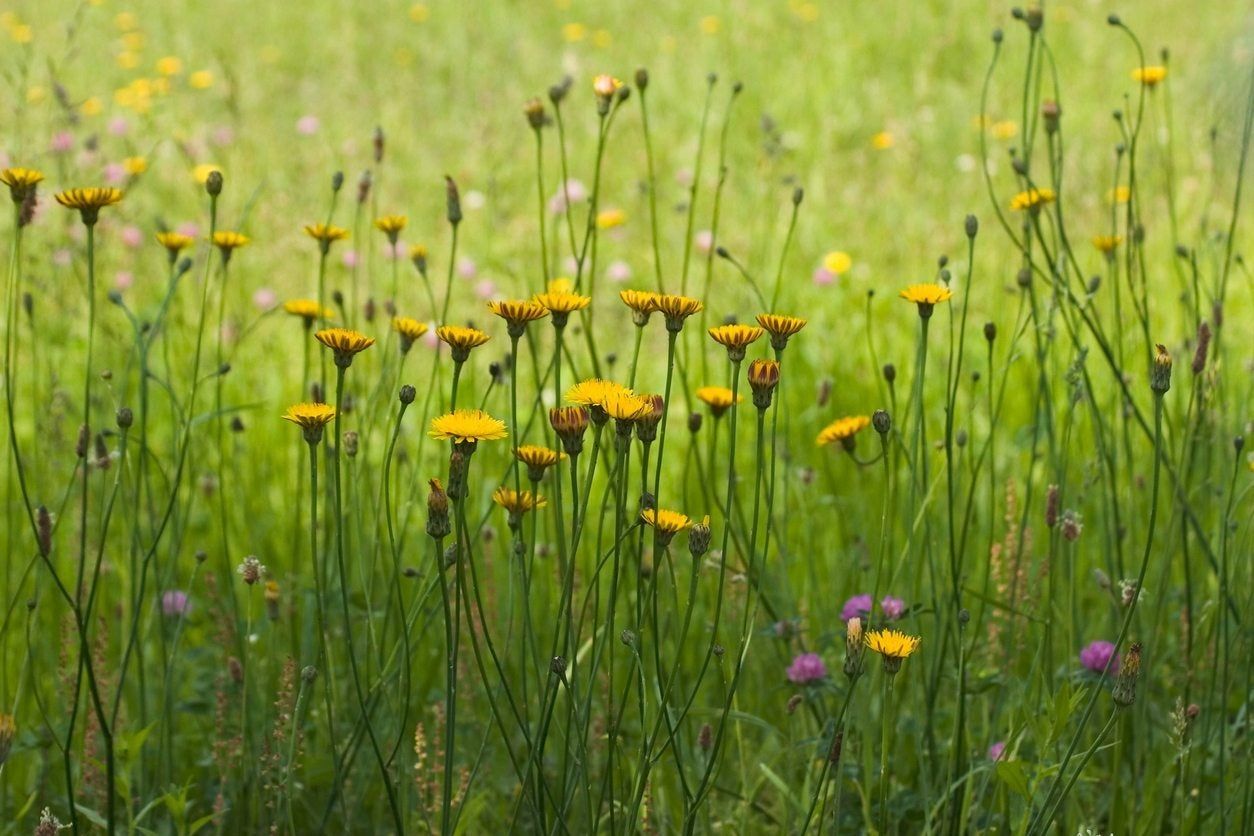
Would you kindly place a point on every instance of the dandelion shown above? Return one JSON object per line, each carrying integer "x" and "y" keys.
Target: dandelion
{"x": 1032, "y": 200}
{"x": 518, "y": 502}
{"x": 1106, "y": 244}
{"x": 228, "y": 241}
{"x": 308, "y": 310}
{"x": 1119, "y": 194}
{"x": 926, "y": 296}
{"x": 391, "y": 226}
{"x": 781, "y": 328}
{"x": 736, "y": 338}
{"x": 893, "y": 646}
{"x": 312, "y": 418}
{"x": 418, "y": 256}
{"x": 665, "y": 524}
{"x": 570, "y": 423}
{"x": 594, "y": 392}
{"x": 643, "y": 304}
{"x": 843, "y": 430}
{"x": 88, "y": 201}
{"x": 611, "y": 218}
{"x": 676, "y": 309}
{"x": 467, "y": 426}
{"x": 807, "y": 668}
{"x": 853, "y": 646}
{"x": 605, "y": 87}
{"x": 517, "y": 313}
{"x": 174, "y": 243}
{"x": 201, "y": 172}
{"x": 1097, "y": 655}
{"x": 409, "y": 329}
{"x": 837, "y": 263}
{"x": 21, "y": 182}
{"x": 1149, "y": 76}
{"x": 763, "y": 378}
{"x": 325, "y": 235}
{"x": 647, "y": 423}
{"x": 718, "y": 398}
{"x": 345, "y": 342}
{"x": 461, "y": 340}
{"x": 1160, "y": 371}
{"x": 537, "y": 459}
{"x": 560, "y": 301}
{"x": 625, "y": 406}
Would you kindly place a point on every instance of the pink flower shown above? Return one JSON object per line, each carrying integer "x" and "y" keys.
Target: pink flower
{"x": 430, "y": 339}
{"x": 485, "y": 289}
{"x": 466, "y": 267}
{"x": 189, "y": 229}
{"x": 223, "y": 135}
{"x": 265, "y": 298}
{"x": 859, "y": 605}
{"x": 684, "y": 177}
{"x": 132, "y": 236}
{"x": 114, "y": 173}
{"x": 704, "y": 240}
{"x": 400, "y": 250}
{"x": 618, "y": 271}
{"x": 573, "y": 191}
{"x": 62, "y": 258}
{"x": 123, "y": 279}
{"x": 118, "y": 126}
{"x": 350, "y": 258}
{"x": 174, "y": 602}
{"x": 62, "y": 141}
{"x": 996, "y": 750}
{"x": 1097, "y": 655}
{"x": 806, "y": 668}
{"x": 307, "y": 125}
{"x": 823, "y": 277}
{"x": 892, "y": 607}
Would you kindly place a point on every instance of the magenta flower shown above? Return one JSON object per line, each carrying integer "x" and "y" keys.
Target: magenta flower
{"x": 1097, "y": 655}
{"x": 118, "y": 126}
{"x": 62, "y": 141}
{"x": 114, "y": 173}
{"x": 466, "y": 267}
{"x": 485, "y": 289}
{"x": 892, "y": 607}
{"x": 858, "y": 605}
{"x": 618, "y": 271}
{"x": 704, "y": 239}
{"x": 823, "y": 277}
{"x": 996, "y": 750}
{"x": 174, "y": 603}
{"x": 807, "y": 668}
{"x": 350, "y": 259}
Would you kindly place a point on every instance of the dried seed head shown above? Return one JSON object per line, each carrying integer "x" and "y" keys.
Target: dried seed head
{"x": 1124, "y": 692}
{"x": 1203, "y": 345}
{"x": 43, "y": 529}
{"x": 438, "y": 524}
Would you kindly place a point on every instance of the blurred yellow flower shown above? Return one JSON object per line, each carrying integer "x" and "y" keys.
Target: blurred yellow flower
{"x": 843, "y": 430}
{"x": 926, "y": 294}
{"x": 91, "y": 106}
{"x": 1032, "y": 199}
{"x": 610, "y": 218}
{"x": 574, "y": 32}
{"x": 1004, "y": 130}
{"x": 135, "y": 166}
{"x": 419, "y": 13}
{"x": 837, "y": 262}
{"x": 1107, "y": 243}
{"x": 718, "y": 398}
{"x": 201, "y": 172}
{"x": 200, "y": 80}
{"x": 36, "y": 94}
{"x": 517, "y": 502}
{"x": 882, "y": 141}
{"x": 134, "y": 41}
{"x": 467, "y": 425}
{"x": 602, "y": 39}
{"x": 22, "y": 33}
{"x": 1120, "y": 194}
{"x": 1149, "y": 76}
{"x": 710, "y": 24}
{"x": 125, "y": 21}
{"x": 127, "y": 60}
{"x": 169, "y": 66}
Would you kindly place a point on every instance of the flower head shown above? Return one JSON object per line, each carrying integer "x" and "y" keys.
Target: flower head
{"x": 517, "y": 502}
{"x": 89, "y": 202}
{"x": 605, "y": 87}
{"x": 461, "y": 340}
{"x": 665, "y": 524}
{"x": 570, "y": 423}
{"x": 843, "y": 430}
{"x": 718, "y": 398}
{"x": 345, "y": 342}
{"x": 228, "y": 241}
{"x": 560, "y": 300}
{"x": 676, "y": 309}
{"x": 1107, "y": 243}
{"x": 8, "y": 731}
{"x": 1149, "y": 76}
{"x": 517, "y": 313}
{"x": 781, "y": 328}
{"x": 174, "y": 243}
{"x": 1032, "y": 199}
{"x": 174, "y": 602}
{"x": 855, "y": 607}
{"x": 1096, "y": 656}
{"x": 763, "y": 378}
{"x": 893, "y": 646}
{"x": 1160, "y": 371}
{"x": 736, "y": 338}
{"x": 21, "y": 182}
{"x": 594, "y": 393}
{"x": 537, "y": 459}
{"x": 467, "y": 426}
{"x": 647, "y": 423}
{"x": 642, "y": 303}
{"x": 308, "y": 310}
{"x": 611, "y": 218}
{"x": 625, "y": 407}
{"x": 409, "y": 329}
{"x": 807, "y": 668}
{"x": 391, "y": 225}
{"x": 310, "y": 417}
{"x": 893, "y": 608}
{"x": 326, "y": 235}
{"x": 251, "y": 570}
{"x": 926, "y": 296}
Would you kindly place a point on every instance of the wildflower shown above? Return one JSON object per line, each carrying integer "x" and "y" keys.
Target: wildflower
{"x": 518, "y": 502}
{"x": 21, "y": 182}
{"x": 1124, "y": 692}
{"x": 1149, "y": 76}
{"x": 763, "y": 377}
{"x": 8, "y": 730}
{"x": 325, "y": 235}
{"x": 391, "y": 226}
{"x": 1071, "y": 526}
{"x": 927, "y": 296}
{"x": 467, "y": 426}
{"x": 418, "y": 255}
{"x": 642, "y": 303}
{"x": 533, "y": 109}
{"x": 272, "y": 592}
{"x": 174, "y": 243}
{"x": 996, "y": 750}
{"x": 676, "y": 309}
{"x": 1160, "y": 371}
{"x": 853, "y": 646}
{"x": 665, "y": 524}
{"x": 605, "y": 87}
{"x": 228, "y": 241}
{"x": 858, "y": 605}
{"x": 1096, "y": 656}
{"x": 537, "y": 459}
{"x": 625, "y": 406}
{"x": 781, "y": 328}
{"x": 807, "y": 668}
{"x": 561, "y": 301}
{"x": 310, "y": 417}
{"x": 883, "y": 140}
{"x": 174, "y": 603}
{"x": 699, "y": 538}
{"x": 570, "y": 423}
{"x": 893, "y": 646}
{"x": 837, "y": 263}
{"x": 438, "y": 524}
{"x": 718, "y": 398}
{"x": 736, "y": 338}
{"x": 1203, "y": 345}
{"x": 611, "y": 218}
{"x": 1119, "y": 194}
{"x": 49, "y": 825}
{"x": 251, "y": 570}
{"x": 594, "y": 393}
{"x": 409, "y": 329}
{"x": 1052, "y": 500}
{"x": 843, "y": 430}
{"x": 1032, "y": 200}
{"x": 1106, "y": 244}
{"x": 461, "y": 340}
{"x": 517, "y": 313}
{"x": 308, "y": 310}
{"x": 893, "y": 608}
{"x": 646, "y": 424}
{"x": 345, "y": 342}
{"x": 89, "y": 202}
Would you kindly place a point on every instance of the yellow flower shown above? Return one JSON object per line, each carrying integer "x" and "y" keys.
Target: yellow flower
{"x": 570, "y": 423}
{"x": 517, "y": 313}
{"x": 1004, "y": 130}
{"x": 642, "y": 303}
{"x": 843, "y": 430}
{"x": 391, "y": 225}
{"x": 1149, "y": 76}
{"x": 676, "y": 309}
{"x": 537, "y": 459}
{"x": 666, "y": 524}
{"x": 310, "y": 417}
{"x": 91, "y": 106}
{"x": 710, "y": 25}
{"x": 345, "y": 342}
{"x": 781, "y": 328}
{"x": 718, "y": 398}
{"x": 517, "y": 502}
{"x": 467, "y": 426}
{"x": 560, "y": 300}
{"x": 135, "y": 166}
{"x": 21, "y": 33}
{"x": 308, "y": 310}
{"x": 169, "y": 66}
{"x": 736, "y": 338}
{"x": 837, "y": 262}
{"x": 927, "y": 293}
{"x": 410, "y": 330}
{"x": 1107, "y": 243}
{"x": 201, "y": 172}
{"x": 326, "y": 234}
{"x": 174, "y": 243}
{"x": 595, "y": 392}
{"x": 1121, "y": 194}
{"x": 893, "y": 646}
{"x": 200, "y": 80}
{"x": 89, "y": 202}
{"x": 626, "y": 406}
{"x": 461, "y": 340}
{"x": 574, "y": 32}
{"x": 882, "y": 141}
{"x": 1032, "y": 199}
{"x": 610, "y": 218}
{"x": 419, "y": 12}
{"x": 126, "y": 21}
{"x": 20, "y": 181}
{"x": 227, "y": 240}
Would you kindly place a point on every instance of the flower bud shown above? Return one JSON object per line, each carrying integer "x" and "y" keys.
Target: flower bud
{"x": 213, "y": 183}
{"x": 699, "y": 538}
{"x": 408, "y": 393}
{"x": 881, "y": 421}
{"x": 1160, "y": 371}
{"x": 1124, "y": 692}
{"x": 438, "y": 525}
{"x": 453, "y": 201}
{"x": 763, "y": 377}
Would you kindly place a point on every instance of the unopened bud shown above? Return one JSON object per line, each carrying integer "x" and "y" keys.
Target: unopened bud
{"x": 213, "y": 183}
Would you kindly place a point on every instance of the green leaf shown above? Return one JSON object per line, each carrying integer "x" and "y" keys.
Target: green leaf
{"x": 1011, "y": 774}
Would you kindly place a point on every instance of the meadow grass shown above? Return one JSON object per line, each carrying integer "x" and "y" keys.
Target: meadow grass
{"x": 852, "y": 444}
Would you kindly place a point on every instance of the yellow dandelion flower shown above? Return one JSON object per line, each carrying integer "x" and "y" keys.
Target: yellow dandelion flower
{"x": 781, "y": 328}
{"x": 89, "y": 201}
{"x": 517, "y": 503}
{"x": 126, "y": 21}
{"x": 605, "y": 86}
{"x": 561, "y": 301}
{"x": 21, "y": 181}
{"x": 310, "y": 417}
{"x": 610, "y": 218}
{"x": 461, "y": 340}
{"x": 200, "y": 80}
{"x": 1107, "y": 243}
{"x": 736, "y": 338}
{"x": 642, "y": 303}
{"x": 127, "y": 60}
{"x": 1120, "y": 194}
{"x": 36, "y": 94}
{"x": 326, "y": 234}
{"x": 718, "y": 398}
{"x": 135, "y": 166}
{"x": 665, "y": 524}
{"x": 626, "y": 406}
{"x": 345, "y": 342}
{"x": 21, "y": 33}
{"x": 91, "y": 106}
{"x": 537, "y": 459}
{"x": 1005, "y": 129}
{"x": 391, "y": 225}
{"x": 174, "y": 243}
{"x": 574, "y": 32}
{"x": 1149, "y": 76}
{"x": 228, "y": 240}
{"x": 676, "y": 309}
{"x": 517, "y": 313}
{"x": 1032, "y": 199}
{"x": 308, "y": 309}
{"x": 843, "y": 430}
{"x": 710, "y": 25}
{"x": 883, "y": 140}
{"x": 169, "y": 66}
{"x": 893, "y": 646}
{"x": 409, "y": 329}
{"x": 467, "y": 426}
{"x": 201, "y": 172}
{"x": 595, "y": 392}
{"x": 926, "y": 295}
{"x": 837, "y": 263}
{"x": 419, "y": 13}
